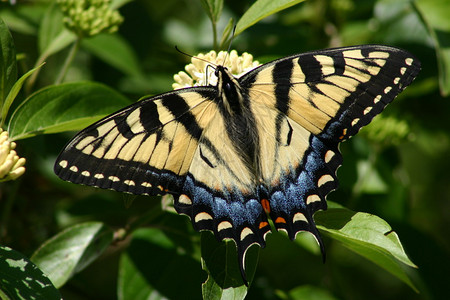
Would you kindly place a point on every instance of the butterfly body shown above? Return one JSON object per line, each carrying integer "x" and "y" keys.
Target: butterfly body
{"x": 261, "y": 145}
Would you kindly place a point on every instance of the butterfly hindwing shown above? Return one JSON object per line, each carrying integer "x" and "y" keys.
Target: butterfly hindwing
{"x": 220, "y": 192}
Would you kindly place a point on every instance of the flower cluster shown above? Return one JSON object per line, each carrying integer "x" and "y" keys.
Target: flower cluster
{"x": 11, "y": 165}
{"x": 201, "y": 73}
{"x": 90, "y": 17}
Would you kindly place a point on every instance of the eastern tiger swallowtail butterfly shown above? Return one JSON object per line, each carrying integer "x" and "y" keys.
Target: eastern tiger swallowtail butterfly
{"x": 261, "y": 145}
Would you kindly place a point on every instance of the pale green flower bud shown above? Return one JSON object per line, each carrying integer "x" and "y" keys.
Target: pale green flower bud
{"x": 90, "y": 17}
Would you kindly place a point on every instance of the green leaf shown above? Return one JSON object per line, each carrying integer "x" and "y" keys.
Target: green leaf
{"x": 20, "y": 19}
{"x": 53, "y": 36}
{"x": 261, "y": 9}
{"x": 309, "y": 292}
{"x": 435, "y": 15}
{"x": 8, "y": 65}
{"x": 368, "y": 236}
{"x": 61, "y": 41}
{"x": 213, "y": 8}
{"x": 22, "y": 279}
{"x": 226, "y": 33}
{"x": 369, "y": 179}
{"x": 398, "y": 23}
{"x": 114, "y": 50}
{"x": 72, "y": 250}
{"x": 220, "y": 261}
{"x": 13, "y": 93}
{"x": 69, "y": 106}
{"x": 156, "y": 261}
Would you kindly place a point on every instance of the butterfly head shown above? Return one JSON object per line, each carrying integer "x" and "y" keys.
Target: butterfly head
{"x": 204, "y": 69}
{"x": 229, "y": 91}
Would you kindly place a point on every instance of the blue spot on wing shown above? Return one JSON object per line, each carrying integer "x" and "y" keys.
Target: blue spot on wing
{"x": 290, "y": 197}
{"x": 243, "y": 212}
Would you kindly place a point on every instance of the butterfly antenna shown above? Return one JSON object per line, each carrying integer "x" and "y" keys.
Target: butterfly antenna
{"x": 182, "y": 52}
{"x": 192, "y": 56}
{"x": 209, "y": 64}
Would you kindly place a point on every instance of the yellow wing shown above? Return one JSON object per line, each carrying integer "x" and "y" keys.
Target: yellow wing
{"x": 304, "y": 106}
{"x": 146, "y": 148}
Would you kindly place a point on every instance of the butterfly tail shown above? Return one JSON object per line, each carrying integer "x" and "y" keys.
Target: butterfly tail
{"x": 241, "y": 251}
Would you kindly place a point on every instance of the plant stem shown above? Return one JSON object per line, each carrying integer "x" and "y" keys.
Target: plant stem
{"x": 68, "y": 60}
{"x": 214, "y": 27}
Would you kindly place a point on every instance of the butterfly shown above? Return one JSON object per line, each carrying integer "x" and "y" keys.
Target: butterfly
{"x": 234, "y": 154}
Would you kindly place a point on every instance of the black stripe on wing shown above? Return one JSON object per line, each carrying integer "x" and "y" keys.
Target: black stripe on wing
{"x": 133, "y": 150}
{"x": 397, "y": 69}
{"x": 119, "y": 175}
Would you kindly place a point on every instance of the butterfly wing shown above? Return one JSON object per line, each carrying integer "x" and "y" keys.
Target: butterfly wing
{"x": 174, "y": 143}
{"x": 304, "y": 106}
{"x": 146, "y": 148}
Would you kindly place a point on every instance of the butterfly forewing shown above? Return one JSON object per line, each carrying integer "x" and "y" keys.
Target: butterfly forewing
{"x": 146, "y": 148}
{"x": 314, "y": 88}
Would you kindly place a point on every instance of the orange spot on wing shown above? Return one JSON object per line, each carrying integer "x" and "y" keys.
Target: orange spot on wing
{"x": 280, "y": 220}
{"x": 263, "y": 224}
{"x": 344, "y": 132}
{"x": 266, "y": 205}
